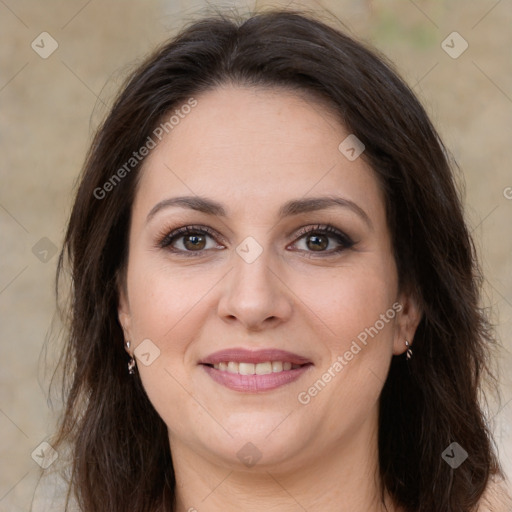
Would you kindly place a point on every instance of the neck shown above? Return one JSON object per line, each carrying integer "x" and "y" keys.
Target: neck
{"x": 341, "y": 478}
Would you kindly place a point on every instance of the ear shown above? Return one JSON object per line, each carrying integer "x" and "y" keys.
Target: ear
{"x": 123, "y": 312}
{"x": 409, "y": 314}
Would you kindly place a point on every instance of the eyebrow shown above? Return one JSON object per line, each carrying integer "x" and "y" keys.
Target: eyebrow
{"x": 292, "y": 207}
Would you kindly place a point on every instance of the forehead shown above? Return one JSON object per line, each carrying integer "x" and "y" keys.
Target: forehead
{"x": 254, "y": 146}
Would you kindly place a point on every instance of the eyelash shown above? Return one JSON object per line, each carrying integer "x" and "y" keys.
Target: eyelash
{"x": 165, "y": 239}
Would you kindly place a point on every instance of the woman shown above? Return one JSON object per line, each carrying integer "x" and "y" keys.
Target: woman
{"x": 275, "y": 298}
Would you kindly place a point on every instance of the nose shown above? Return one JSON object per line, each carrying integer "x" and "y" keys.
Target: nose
{"x": 255, "y": 294}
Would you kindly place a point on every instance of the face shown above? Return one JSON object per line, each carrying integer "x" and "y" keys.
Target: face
{"x": 274, "y": 318}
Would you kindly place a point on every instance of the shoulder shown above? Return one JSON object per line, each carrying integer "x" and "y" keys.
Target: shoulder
{"x": 496, "y": 498}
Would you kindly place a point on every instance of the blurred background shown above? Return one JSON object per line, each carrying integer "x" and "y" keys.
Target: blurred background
{"x": 61, "y": 63}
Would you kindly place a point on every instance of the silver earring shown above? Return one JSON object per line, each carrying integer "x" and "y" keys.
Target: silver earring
{"x": 409, "y": 350}
{"x": 131, "y": 363}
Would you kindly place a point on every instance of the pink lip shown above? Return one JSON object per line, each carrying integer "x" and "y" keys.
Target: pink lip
{"x": 242, "y": 355}
{"x": 255, "y": 383}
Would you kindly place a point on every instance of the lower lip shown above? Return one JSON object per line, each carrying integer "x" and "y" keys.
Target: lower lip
{"x": 255, "y": 383}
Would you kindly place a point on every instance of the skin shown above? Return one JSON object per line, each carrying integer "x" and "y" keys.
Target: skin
{"x": 252, "y": 150}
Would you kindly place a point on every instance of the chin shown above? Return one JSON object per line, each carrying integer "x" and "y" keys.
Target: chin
{"x": 256, "y": 450}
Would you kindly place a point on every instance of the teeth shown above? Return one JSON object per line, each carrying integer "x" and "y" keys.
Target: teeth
{"x": 246, "y": 368}
{"x": 277, "y": 366}
{"x": 255, "y": 369}
{"x": 263, "y": 368}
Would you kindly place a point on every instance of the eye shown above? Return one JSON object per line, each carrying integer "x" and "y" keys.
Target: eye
{"x": 317, "y": 239}
{"x": 193, "y": 239}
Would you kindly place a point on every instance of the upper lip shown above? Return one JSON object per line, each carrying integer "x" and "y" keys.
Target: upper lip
{"x": 242, "y": 355}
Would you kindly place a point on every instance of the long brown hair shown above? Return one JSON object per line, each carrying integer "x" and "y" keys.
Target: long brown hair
{"x": 121, "y": 455}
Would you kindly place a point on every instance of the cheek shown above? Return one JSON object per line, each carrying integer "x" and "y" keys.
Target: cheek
{"x": 170, "y": 307}
{"x": 163, "y": 298}
{"x": 352, "y": 299}
{"x": 361, "y": 310}
{"x": 165, "y": 308}
{"x": 358, "y": 309}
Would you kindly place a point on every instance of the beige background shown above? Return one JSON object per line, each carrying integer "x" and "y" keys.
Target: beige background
{"x": 50, "y": 107}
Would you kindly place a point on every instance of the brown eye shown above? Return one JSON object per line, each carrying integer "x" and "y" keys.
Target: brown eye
{"x": 193, "y": 242}
{"x": 189, "y": 240}
{"x": 317, "y": 242}
{"x": 318, "y": 238}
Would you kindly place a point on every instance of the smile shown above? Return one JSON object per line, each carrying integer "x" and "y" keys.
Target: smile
{"x": 255, "y": 369}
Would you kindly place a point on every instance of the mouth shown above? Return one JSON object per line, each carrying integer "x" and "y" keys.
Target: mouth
{"x": 245, "y": 368}
{"x": 255, "y": 371}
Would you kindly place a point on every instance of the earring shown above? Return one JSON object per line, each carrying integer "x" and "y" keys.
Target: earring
{"x": 409, "y": 350}
{"x": 131, "y": 363}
